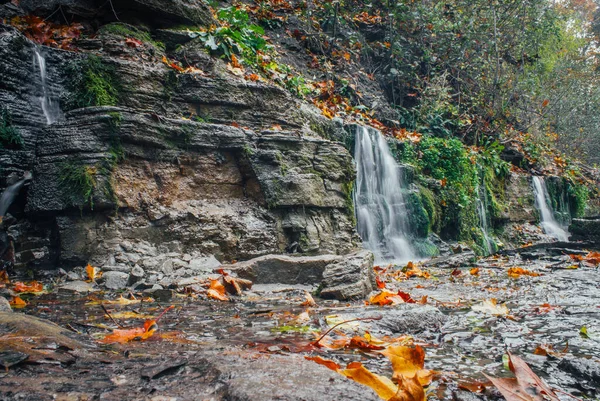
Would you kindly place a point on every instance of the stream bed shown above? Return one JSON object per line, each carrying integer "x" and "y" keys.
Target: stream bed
{"x": 253, "y": 348}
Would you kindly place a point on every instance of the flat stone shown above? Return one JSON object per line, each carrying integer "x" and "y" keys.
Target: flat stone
{"x": 137, "y": 272}
{"x": 204, "y": 264}
{"x": 115, "y": 280}
{"x": 78, "y": 286}
{"x": 284, "y": 269}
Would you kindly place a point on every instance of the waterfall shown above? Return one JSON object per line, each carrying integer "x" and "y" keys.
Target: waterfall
{"x": 10, "y": 193}
{"x": 50, "y": 107}
{"x": 482, "y": 208}
{"x": 542, "y": 203}
{"x": 381, "y": 214}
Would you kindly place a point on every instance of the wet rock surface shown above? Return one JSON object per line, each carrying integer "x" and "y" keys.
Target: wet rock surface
{"x": 216, "y": 349}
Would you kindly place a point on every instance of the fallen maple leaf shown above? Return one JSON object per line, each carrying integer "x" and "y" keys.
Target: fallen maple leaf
{"x": 137, "y": 333}
{"x": 474, "y": 271}
{"x": 217, "y": 291}
{"x": 325, "y": 362}
{"x": 526, "y": 386}
{"x": 309, "y": 300}
{"x": 4, "y": 276}
{"x": 92, "y": 272}
{"x": 16, "y": 302}
{"x": 516, "y": 272}
{"x": 33, "y": 286}
{"x": 409, "y": 374}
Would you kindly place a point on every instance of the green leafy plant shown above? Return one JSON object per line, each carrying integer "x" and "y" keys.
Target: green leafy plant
{"x": 91, "y": 82}
{"x": 77, "y": 182}
{"x": 9, "y": 136}
{"x": 236, "y": 36}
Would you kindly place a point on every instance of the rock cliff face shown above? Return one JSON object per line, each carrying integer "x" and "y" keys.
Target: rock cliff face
{"x": 196, "y": 164}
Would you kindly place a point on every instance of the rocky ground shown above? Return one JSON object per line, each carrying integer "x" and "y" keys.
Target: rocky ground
{"x": 252, "y": 347}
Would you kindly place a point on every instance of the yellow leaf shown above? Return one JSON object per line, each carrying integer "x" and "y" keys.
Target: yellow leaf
{"x": 383, "y": 386}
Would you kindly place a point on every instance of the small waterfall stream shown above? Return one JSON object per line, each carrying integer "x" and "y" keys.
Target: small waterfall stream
{"x": 50, "y": 106}
{"x": 10, "y": 193}
{"x": 542, "y": 203}
{"x": 382, "y": 218}
{"x": 482, "y": 214}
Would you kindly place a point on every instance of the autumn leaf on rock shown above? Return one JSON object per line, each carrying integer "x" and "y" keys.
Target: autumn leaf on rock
{"x": 308, "y": 300}
{"x": 17, "y": 302}
{"x": 32, "y": 287}
{"x": 408, "y": 362}
{"x": 526, "y": 386}
{"x": 409, "y": 375}
{"x": 325, "y": 362}
{"x": 92, "y": 273}
{"x": 516, "y": 272}
{"x": 138, "y": 333}
{"x": 491, "y": 307}
{"x": 217, "y": 291}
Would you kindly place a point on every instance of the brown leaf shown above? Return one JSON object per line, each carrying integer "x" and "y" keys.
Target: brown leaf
{"x": 325, "y": 362}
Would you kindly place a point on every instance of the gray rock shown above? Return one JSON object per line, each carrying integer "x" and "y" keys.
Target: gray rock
{"x": 584, "y": 369}
{"x": 350, "y": 278}
{"x": 204, "y": 264}
{"x": 585, "y": 230}
{"x": 286, "y": 378}
{"x": 4, "y": 305}
{"x": 137, "y": 272}
{"x": 410, "y": 319}
{"x": 77, "y": 286}
{"x": 283, "y": 269}
{"x": 403, "y": 318}
{"x": 117, "y": 268}
{"x": 115, "y": 280}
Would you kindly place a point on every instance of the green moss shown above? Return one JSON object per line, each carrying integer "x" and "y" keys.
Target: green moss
{"x": 348, "y": 188}
{"x": 170, "y": 84}
{"x": 91, "y": 82}
{"x": 128, "y": 31}
{"x": 77, "y": 182}
{"x": 578, "y": 197}
{"x": 10, "y": 138}
{"x": 247, "y": 151}
{"x": 116, "y": 151}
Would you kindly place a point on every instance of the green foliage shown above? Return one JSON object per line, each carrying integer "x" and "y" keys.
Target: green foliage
{"x": 578, "y": 197}
{"x": 247, "y": 151}
{"x": 10, "y": 138}
{"x": 236, "y": 36}
{"x": 77, "y": 182}
{"x": 91, "y": 83}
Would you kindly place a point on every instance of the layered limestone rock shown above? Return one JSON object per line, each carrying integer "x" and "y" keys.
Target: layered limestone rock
{"x": 208, "y": 164}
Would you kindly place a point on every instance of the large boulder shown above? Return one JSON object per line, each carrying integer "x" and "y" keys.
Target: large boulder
{"x": 587, "y": 229}
{"x": 350, "y": 278}
{"x": 339, "y": 277}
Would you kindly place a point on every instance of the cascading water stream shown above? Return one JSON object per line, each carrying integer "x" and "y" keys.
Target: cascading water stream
{"x": 482, "y": 207}
{"x": 50, "y": 107}
{"x": 10, "y": 193}
{"x": 382, "y": 218}
{"x": 542, "y": 203}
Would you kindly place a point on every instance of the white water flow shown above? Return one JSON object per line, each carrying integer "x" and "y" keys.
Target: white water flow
{"x": 50, "y": 107}
{"x": 482, "y": 207}
{"x": 542, "y": 203}
{"x": 10, "y": 193}
{"x": 382, "y": 219}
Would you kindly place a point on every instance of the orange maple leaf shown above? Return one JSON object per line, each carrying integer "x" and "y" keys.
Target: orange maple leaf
{"x": 137, "y": 333}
